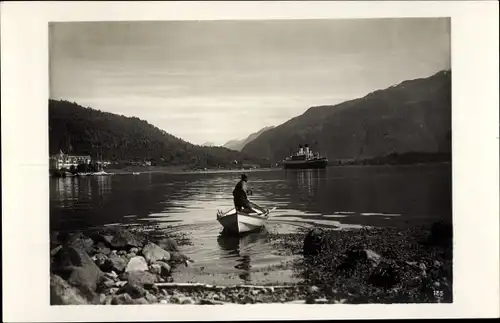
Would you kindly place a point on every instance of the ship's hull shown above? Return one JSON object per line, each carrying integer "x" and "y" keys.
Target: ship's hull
{"x": 305, "y": 164}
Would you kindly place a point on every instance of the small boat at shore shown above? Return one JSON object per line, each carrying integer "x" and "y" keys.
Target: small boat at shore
{"x": 100, "y": 173}
{"x": 240, "y": 222}
{"x": 136, "y": 173}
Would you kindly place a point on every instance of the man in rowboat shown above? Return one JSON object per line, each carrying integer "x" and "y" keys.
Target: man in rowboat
{"x": 240, "y": 196}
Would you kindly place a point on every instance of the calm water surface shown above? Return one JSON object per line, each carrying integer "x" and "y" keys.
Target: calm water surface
{"x": 336, "y": 197}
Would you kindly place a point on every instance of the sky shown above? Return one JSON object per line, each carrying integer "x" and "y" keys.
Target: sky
{"x": 214, "y": 81}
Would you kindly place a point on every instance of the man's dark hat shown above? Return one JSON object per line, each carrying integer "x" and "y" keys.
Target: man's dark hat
{"x": 244, "y": 177}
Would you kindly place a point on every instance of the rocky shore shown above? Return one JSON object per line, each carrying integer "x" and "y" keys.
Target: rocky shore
{"x": 133, "y": 265}
{"x": 377, "y": 265}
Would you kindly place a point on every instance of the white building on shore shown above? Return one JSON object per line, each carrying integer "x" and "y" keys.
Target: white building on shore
{"x": 62, "y": 160}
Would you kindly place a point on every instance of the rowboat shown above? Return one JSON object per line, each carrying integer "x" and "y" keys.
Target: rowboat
{"x": 234, "y": 221}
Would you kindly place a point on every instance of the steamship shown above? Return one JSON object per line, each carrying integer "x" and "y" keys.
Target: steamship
{"x": 304, "y": 158}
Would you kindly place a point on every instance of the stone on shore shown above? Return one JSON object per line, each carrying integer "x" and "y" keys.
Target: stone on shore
{"x": 168, "y": 244}
{"x": 313, "y": 242}
{"x": 385, "y": 275}
{"x": 86, "y": 279}
{"x": 155, "y": 269}
{"x": 75, "y": 265}
{"x": 104, "y": 238}
{"x": 165, "y": 268}
{"x": 247, "y": 299}
{"x": 207, "y": 301}
{"x": 112, "y": 291}
{"x": 107, "y": 283}
{"x": 313, "y": 290}
{"x": 124, "y": 239}
{"x": 151, "y": 298}
{"x": 130, "y": 255}
{"x": 141, "y": 301}
{"x": 55, "y": 250}
{"x": 373, "y": 257}
{"x": 358, "y": 254}
{"x": 118, "y": 263}
{"x": 69, "y": 256}
{"x": 178, "y": 257}
{"x": 102, "y": 299}
{"x": 61, "y": 293}
{"x": 54, "y": 239}
{"x": 181, "y": 299}
{"x": 133, "y": 290}
{"x": 103, "y": 262}
{"x": 141, "y": 278}
{"x": 101, "y": 248}
{"x": 121, "y": 283}
{"x": 153, "y": 253}
{"x": 136, "y": 263}
{"x": 122, "y": 299}
{"x": 84, "y": 243}
{"x": 79, "y": 269}
{"x": 108, "y": 300}
{"x": 441, "y": 233}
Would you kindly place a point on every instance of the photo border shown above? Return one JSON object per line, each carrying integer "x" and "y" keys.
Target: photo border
{"x": 25, "y": 187}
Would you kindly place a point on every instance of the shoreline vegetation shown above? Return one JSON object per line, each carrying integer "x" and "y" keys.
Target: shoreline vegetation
{"x": 395, "y": 159}
{"x": 134, "y": 265}
{"x": 409, "y": 158}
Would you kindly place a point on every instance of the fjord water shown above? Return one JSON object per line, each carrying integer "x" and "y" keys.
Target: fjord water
{"x": 336, "y": 197}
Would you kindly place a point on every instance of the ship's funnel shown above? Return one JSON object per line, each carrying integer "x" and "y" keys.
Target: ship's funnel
{"x": 307, "y": 149}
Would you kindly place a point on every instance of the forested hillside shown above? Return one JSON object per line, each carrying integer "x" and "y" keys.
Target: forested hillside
{"x": 411, "y": 117}
{"x": 79, "y": 130}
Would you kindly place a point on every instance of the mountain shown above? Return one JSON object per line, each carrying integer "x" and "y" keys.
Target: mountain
{"x": 413, "y": 116}
{"x": 240, "y": 144}
{"x": 78, "y": 130}
{"x": 209, "y": 144}
{"x": 233, "y": 144}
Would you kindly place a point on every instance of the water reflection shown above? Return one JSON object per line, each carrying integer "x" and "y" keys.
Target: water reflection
{"x": 242, "y": 248}
{"x": 307, "y": 179}
{"x": 245, "y": 266}
{"x": 83, "y": 202}
{"x": 66, "y": 189}
{"x": 71, "y": 190}
{"x": 102, "y": 185}
{"x": 304, "y": 185}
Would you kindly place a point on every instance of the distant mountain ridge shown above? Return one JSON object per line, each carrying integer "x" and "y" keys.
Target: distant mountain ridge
{"x": 413, "y": 116}
{"x": 238, "y": 145}
{"x": 78, "y": 130}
